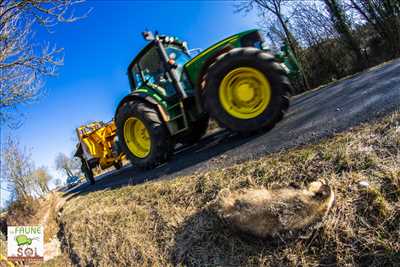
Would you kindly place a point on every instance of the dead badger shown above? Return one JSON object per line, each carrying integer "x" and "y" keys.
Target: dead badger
{"x": 267, "y": 212}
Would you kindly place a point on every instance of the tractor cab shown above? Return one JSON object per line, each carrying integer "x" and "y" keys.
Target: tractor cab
{"x": 159, "y": 67}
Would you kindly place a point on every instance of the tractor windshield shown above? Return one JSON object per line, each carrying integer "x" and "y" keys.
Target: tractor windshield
{"x": 180, "y": 57}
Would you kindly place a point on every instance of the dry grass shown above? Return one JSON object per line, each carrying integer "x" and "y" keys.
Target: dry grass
{"x": 169, "y": 222}
{"x": 45, "y": 214}
{"x": 51, "y": 226}
{"x": 58, "y": 261}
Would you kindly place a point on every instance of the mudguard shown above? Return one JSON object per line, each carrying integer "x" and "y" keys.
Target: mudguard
{"x": 143, "y": 96}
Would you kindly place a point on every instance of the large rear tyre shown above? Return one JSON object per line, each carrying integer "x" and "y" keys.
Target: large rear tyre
{"x": 143, "y": 136}
{"x": 87, "y": 171}
{"x": 197, "y": 130}
{"x": 246, "y": 90}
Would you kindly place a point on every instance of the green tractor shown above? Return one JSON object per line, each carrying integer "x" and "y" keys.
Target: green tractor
{"x": 237, "y": 81}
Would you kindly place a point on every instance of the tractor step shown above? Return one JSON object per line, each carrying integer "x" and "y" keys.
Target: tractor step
{"x": 180, "y": 119}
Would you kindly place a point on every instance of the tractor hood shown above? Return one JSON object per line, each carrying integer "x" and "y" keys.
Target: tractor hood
{"x": 196, "y": 66}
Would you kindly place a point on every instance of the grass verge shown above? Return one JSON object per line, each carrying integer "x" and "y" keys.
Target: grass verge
{"x": 167, "y": 223}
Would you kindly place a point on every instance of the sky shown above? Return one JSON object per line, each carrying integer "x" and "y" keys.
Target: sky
{"x": 97, "y": 51}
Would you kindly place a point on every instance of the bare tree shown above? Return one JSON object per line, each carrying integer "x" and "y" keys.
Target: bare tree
{"x": 281, "y": 10}
{"x": 274, "y": 8}
{"x": 312, "y": 25}
{"x": 342, "y": 26}
{"x": 17, "y": 169}
{"x": 24, "y": 63}
{"x": 70, "y": 166}
{"x": 42, "y": 179}
{"x": 321, "y": 32}
{"x": 383, "y": 15}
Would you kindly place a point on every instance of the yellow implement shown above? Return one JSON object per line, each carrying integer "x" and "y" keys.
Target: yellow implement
{"x": 98, "y": 147}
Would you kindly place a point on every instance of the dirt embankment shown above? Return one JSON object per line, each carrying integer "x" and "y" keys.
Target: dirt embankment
{"x": 167, "y": 223}
{"x": 44, "y": 213}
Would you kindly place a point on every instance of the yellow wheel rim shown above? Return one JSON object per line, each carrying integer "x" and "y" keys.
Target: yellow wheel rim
{"x": 137, "y": 137}
{"x": 245, "y": 93}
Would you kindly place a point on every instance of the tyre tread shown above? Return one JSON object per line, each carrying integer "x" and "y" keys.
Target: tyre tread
{"x": 229, "y": 59}
{"x": 162, "y": 143}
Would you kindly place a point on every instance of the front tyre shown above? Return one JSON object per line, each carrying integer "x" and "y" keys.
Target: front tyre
{"x": 143, "y": 136}
{"x": 246, "y": 90}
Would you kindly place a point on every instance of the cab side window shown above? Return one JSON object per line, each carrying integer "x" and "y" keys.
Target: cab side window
{"x": 154, "y": 72}
{"x": 152, "y": 67}
{"x": 137, "y": 78}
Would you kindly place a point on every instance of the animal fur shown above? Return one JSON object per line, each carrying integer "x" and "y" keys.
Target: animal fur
{"x": 263, "y": 212}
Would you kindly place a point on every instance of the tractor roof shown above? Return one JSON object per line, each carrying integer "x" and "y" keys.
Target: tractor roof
{"x": 164, "y": 39}
{"x": 140, "y": 54}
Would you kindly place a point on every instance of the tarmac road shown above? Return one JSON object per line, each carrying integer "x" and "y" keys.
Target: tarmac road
{"x": 312, "y": 115}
